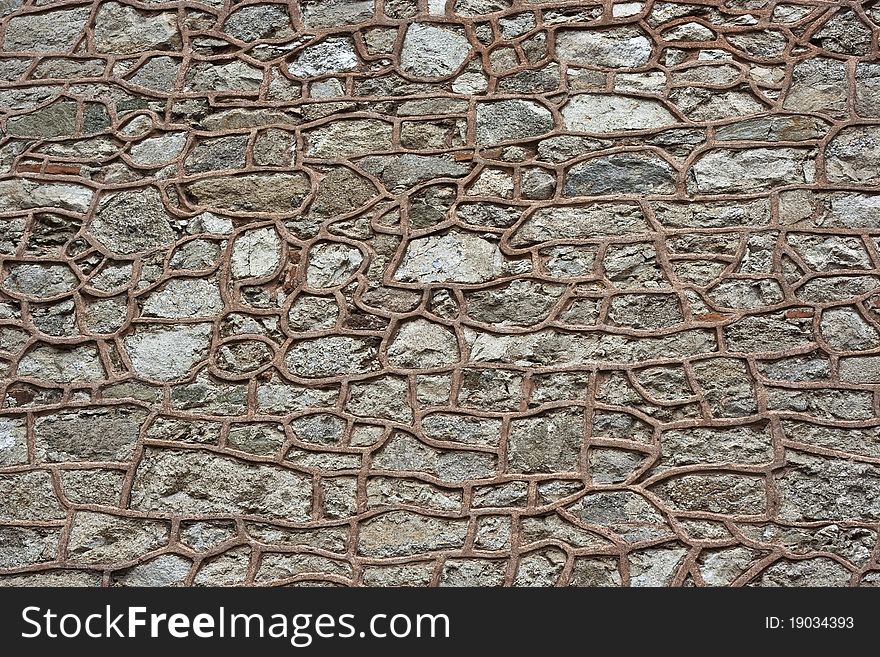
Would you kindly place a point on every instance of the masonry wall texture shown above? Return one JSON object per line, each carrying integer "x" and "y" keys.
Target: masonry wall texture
{"x": 440, "y": 292}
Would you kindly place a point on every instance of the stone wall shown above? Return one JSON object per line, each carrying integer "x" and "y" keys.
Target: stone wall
{"x": 522, "y": 292}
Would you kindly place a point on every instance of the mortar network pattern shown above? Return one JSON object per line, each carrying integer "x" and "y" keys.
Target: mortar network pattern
{"x": 428, "y": 292}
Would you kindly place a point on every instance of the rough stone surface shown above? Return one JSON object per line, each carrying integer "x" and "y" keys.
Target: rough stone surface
{"x": 439, "y": 293}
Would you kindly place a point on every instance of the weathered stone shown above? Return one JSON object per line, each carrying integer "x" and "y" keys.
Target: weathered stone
{"x": 132, "y": 221}
{"x": 332, "y": 264}
{"x": 255, "y": 253}
{"x": 853, "y": 156}
{"x": 617, "y": 47}
{"x": 100, "y": 434}
{"x": 844, "y": 329}
{"x": 184, "y": 298}
{"x": 121, "y": 30}
{"x": 432, "y": 51}
{"x": 420, "y": 344}
{"x": 40, "y": 281}
{"x": 473, "y": 572}
{"x": 623, "y": 173}
{"x": 601, "y": 113}
{"x": 331, "y": 13}
{"x": 456, "y": 257}
{"x": 164, "y": 570}
{"x": 402, "y": 533}
{"x": 101, "y": 538}
{"x": 511, "y": 120}
{"x": 269, "y": 21}
{"x": 333, "y": 55}
{"x": 349, "y": 138}
{"x": 580, "y": 222}
{"x": 655, "y": 566}
{"x": 399, "y": 172}
{"x": 818, "y": 85}
{"x": 62, "y": 365}
{"x": 333, "y": 356}
{"x": 166, "y": 352}
{"x": 13, "y": 441}
{"x": 625, "y": 513}
{"x": 277, "y": 193}
{"x": 749, "y": 444}
{"x": 26, "y": 546}
{"x": 546, "y": 443}
{"x": 193, "y": 481}
{"x": 750, "y": 169}
{"x": 714, "y": 493}
{"x": 52, "y": 31}
{"x": 819, "y": 571}
{"x": 29, "y": 496}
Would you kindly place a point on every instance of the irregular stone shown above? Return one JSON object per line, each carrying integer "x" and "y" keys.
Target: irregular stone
{"x": 727, "y": 386}
{"x": 269, "y": 21}
{"x": 580, "y": 222}
{"x": 747, "y": 444}
{"x": 595, "y": 571}
{"x": 256, "y": 253}
{"x": 57, "y": 120}
{"x": 655, "y": 566}
{"x": 184, "y": 298}
{"x": 541, "y": 568}
{"x": 462, "y": 429}
{"x": 818, "y": 85}
{"x": 29, "y": 496}
{"x": 601, "y": 113}
{"x": 333, "y": 356}
{"x": 232, "y": 76}
{"x": 19, "y": 194}
{"x": 62, "y": 364}
{"x": 714, "y": 493}
{"x": 431, "y": 51}
{"x": 194, "y": 482}
{"x": 158, "y": 150}
{"x": 818, "y": 571}
{"x": 399, "y": 172}
{"x": 844, "y": 329}
{"x": 402, "y": 533}
{"x": 385, "y": 397}
{"x": 769, "y": 333}
{"x": 331, "y": 56}
{"x": 349, "y": 138}
{"x": 546, "y": 443}
{"x": 163, "y": 571}
{"x": 39, "y": 280}
{"x": 167, "y": 352}
{"x": 331, "y": 13}
{"x": 853, "y": 156}
{"x": 456, "y": 257}
{"x": 227, "y": 569}
{"x": 625, "y": 513}
{"x": 13, "y": 441}
{"x": 274, "y": 193}
{"x": 511, "y": 120}
{"x": 132, "y": 222}
{"x": 423, "y": 344}
{"x": 51, "y": 31}
{"x": 750, "y": 169}
{"x": 331, "y": 264}
{"x": 101, "y": 538}
{"x": 622, "y": 173}
{"x": 122, "y": 30}
{"x": 616, "y": 47}
{"x": 26, "y": 546}
{"x": 97, "y": 434}
{"x": 473, "y": 572}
